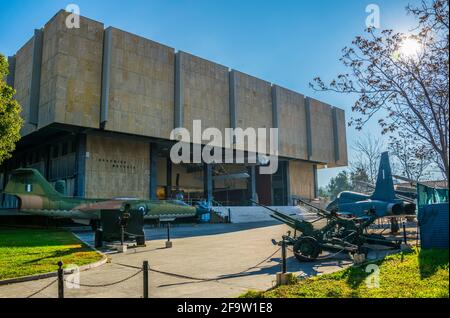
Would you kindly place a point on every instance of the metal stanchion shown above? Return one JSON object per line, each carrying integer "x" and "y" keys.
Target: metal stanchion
{"x": 60, "y": 280}
{"x": 404, "y": 233}
{"x": 122, "y": 235}
{"x": 145, "y": 269}
{"x": 283, "y": 256}
{"x": 168, "y": 242}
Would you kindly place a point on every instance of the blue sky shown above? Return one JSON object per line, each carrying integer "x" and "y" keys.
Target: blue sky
{"x": 287, "y": 42}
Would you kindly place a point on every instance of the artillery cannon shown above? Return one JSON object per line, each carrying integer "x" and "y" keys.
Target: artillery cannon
{"x": 329, "y": 231}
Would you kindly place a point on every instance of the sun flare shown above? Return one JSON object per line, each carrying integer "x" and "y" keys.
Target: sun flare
{"x": 410, "y": 48}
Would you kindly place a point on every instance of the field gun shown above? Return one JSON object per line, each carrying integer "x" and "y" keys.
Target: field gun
{"x": 330, "y": 231}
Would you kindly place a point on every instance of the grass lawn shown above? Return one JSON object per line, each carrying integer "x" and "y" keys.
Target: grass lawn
{"x": 26, "y": 251}
{"x": 421, "y": 273}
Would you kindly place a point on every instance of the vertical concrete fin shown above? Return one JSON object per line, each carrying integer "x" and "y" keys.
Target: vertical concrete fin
{"x": 169, "y": 177}
{"x": 179, "y": 90}
{"x": 288, "y": 184}
{"x": 232, "y": 99}
{"x": 275, "y": 101}
{"x": 251, "y": 186}
{"x": 308, "y": 127}
{"x": 106, "y": 74}
{"x": 35, "y": 85}
{"x": 12, "y": 70}
{"x": 337, "y": 154}
{"x": 153, "y": 171}
{"x": 316, "y": 182}
{"x": 80, "y": 179}
{"x": 208, "y": 182}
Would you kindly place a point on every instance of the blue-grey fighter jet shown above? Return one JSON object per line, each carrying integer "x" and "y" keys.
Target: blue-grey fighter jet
{"x": 382, "y": 202}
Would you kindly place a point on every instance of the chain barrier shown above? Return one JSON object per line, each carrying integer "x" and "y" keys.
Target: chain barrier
{"x": 132, "y": 234}
{"x": 42, "y": 289}
{"x": 200, "y": 279}
{"x": 107, "y": 284}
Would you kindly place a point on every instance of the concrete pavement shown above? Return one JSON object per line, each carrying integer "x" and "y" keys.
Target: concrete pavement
{"x": 205, "y": 251}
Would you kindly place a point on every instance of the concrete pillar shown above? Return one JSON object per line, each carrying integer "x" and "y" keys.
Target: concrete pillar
{"x": 337, "y": 154}
{"x": 316, "y": 182}
{"x": 275, "y": 106}
{"x": 153, "y": 171}
{"x": 106, "y": 74}
{"x": 169, "y": 177}
{"x": 251, "y": 185}
{"x": 48, "y": 155}
{"x": 308, "y": 127}
{"x": 288, "y": 185}
{"x": 35, "y": 85}
{"x": 80, "y": 178}
{"x": 232, "y": 99}
{"x": 12, "y": 70}
{"x": 179, "y": 90}
{"x": 208, "y": 182}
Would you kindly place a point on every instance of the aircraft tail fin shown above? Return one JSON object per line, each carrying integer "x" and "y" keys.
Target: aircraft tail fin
{"x": 29, "y": 181}
{"x": 384, "y": 188}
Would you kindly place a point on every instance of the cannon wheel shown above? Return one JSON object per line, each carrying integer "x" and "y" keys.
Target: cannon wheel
{"x": 306, "y": 249}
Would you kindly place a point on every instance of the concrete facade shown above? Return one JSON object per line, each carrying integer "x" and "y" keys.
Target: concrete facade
{"x": 108, "y": 84}
{"x": 22, "y": 83}
{"x": 141, "y": 86}
{"x": 116, "y": 166}
{"x": 71, "y": 73}
{"x": 291, "y": 113}
{"x": 301, "y": 179}
{"x": 206, "y": 93}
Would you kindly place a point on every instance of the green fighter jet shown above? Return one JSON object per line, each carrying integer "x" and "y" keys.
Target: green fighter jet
{"x": 37, "y": 197}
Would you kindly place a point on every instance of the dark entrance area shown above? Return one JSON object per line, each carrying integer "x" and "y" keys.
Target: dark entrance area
{"x": 273, "y": 189}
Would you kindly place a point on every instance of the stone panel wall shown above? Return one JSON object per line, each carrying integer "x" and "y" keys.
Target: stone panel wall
{"x": 117, "y": 167}
{"x": 342, "y": 137}
{"x": 254, "y": 103}
{"x": 292, "y": 124}
{"x": 206, "y": 93}
{"x": 301, "y": 179}
{"x": 22, "y": 83}
{"x": 322, "y": 136}
{"x": 71, "y": 73}
{"x": 141, "y": 99}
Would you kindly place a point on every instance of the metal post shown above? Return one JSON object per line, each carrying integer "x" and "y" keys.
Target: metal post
{"x": 60, "y": 280}
{"x": 122, "y": 235}
{"x": 283, "y": 256}
{"x": 229, "y": 215}
{"x": 145, "y": 269}
{"x": 168, "y": 231}
{"x": 404, "y": 233}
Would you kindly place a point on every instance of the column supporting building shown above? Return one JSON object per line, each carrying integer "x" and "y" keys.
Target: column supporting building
{"x": 153, "y": 171}
{"x": 208, "y": 182}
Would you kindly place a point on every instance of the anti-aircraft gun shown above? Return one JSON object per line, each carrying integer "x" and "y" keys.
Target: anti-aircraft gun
{"x": 342, "y": 226}
{"x": 329, "y": 231}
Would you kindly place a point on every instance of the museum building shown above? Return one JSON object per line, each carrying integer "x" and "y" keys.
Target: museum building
{"x": 99, "y": 105}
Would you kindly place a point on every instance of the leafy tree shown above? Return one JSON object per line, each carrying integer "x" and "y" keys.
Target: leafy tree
{"x": 323, "y": 193}
{"x": 406, "y": 77}
{"x": 338, "y": 184}
{"x": 10, "y": 120}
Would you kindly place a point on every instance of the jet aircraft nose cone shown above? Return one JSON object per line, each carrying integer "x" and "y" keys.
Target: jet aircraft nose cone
{"x": 203, "y": 207}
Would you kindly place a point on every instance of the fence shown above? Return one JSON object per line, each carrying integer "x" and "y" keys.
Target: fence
{"x": 145, "y": 269}
{"x": 61, "y": 280}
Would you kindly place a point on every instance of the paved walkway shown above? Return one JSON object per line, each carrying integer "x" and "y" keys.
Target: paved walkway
{"x": 202, "y": 251}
